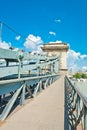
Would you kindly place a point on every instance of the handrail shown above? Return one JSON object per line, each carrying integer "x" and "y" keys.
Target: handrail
{"x": 77, "y": 106}
{"x": 27, "y": 79}
{"x": 20, "y": 58}
{"x": 16, "y": 90}
{"x": 78, "y": 92}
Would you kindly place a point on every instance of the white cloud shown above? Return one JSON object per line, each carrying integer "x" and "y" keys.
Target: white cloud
{"x": 71, "y": 54}
{"x": 76, "y": 61}
{"x": 76, "y": 55}
{"x": 73, "y": 68}
{"x": 58, "y": 41}
{"x": 84, "y": 68}
{"x": 18, "y": 38}
{"x": 4, "y": 45}
{"x": 33, "y": 43}
{"x": 83, "y": 56}
{"x": 57, "y": 20}
{"x": 52, "y": 33}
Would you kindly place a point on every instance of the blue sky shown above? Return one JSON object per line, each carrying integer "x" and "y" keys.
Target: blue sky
{"x": 46, "y": 21}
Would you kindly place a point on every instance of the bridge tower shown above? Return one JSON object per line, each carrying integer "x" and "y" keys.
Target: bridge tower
{"x": 53, "y": 49}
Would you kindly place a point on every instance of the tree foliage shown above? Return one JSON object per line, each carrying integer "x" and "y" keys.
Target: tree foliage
{"x": 80, "y": 75}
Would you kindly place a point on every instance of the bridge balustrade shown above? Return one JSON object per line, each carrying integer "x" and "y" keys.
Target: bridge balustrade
{"x": 76, "y": 105}
{"x": 20, "y": 63}
{"x": 14, "y": 91}
{"x": 25, "y": 78}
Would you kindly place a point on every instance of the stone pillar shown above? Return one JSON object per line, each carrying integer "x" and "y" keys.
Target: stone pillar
{"x": 54, "y": 49}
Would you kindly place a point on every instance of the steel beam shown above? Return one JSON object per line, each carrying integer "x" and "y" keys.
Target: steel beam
{"x": 36, "y": 89}
{"x": 22, "y": 98}
{"x": 10, "y": 104}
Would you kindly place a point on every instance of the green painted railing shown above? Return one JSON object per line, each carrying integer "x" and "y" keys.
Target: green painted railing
{"x": 76, "y": 103}
{"x": 16, "y": 91}
{"x": 20, "y": 63}
{"x": 20, "y": 78}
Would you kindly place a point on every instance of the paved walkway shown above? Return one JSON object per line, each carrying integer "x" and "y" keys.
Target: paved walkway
{"x": 45, "y": 112}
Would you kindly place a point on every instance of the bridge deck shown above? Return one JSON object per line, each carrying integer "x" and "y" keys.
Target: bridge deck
{"x": 45, "y": 112}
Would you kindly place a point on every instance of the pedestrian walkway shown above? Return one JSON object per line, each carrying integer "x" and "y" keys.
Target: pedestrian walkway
{"x": 45, "y": 112}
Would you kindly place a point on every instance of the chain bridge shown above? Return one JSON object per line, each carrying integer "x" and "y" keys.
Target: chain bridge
{"x": 23, "y": 76}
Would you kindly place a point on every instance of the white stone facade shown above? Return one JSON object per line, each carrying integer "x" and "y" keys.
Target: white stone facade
{"x": 58, "y": 49}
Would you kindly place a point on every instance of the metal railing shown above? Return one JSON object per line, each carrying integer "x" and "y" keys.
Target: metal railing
{"x": 76, "y": 103}
{"x": 16, "y": 91}
{"x": 20, "y": 78}
{"x": 19, "y": 63}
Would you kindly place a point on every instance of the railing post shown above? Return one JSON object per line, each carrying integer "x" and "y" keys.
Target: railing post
{"x": 50, "y": 82}
{"x": 0, "y": 98}
{"x": 36, "y": 89}
{"x": 51, "y": 68}
{"x": 20, "y": 58}
{"x": 40, "y": 88}
{"x": 45, "y": 70}
{"x": 85, "y": 117}
{"x": 23, "y": 95}
{"x": 78, "y": 105}
{"x": 19, "y": 69}
{"x": 38, "y": 71}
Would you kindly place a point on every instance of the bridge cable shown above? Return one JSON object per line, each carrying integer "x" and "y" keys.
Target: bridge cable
{"x": 10, "y": 28}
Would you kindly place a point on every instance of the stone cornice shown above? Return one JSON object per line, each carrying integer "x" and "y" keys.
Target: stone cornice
{"x": 55, "y": 46}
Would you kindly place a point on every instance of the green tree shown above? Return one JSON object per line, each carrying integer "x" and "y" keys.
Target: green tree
{"x": 77, "y": 75}
{"x": 80, "y": 75}
{"x": 84, "y": 76}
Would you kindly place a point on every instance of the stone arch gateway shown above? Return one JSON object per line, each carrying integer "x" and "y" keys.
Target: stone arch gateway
{"x": 53, "y": 49}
